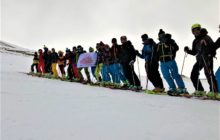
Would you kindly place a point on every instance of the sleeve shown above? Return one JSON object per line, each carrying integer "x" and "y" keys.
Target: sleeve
{"x": 193, "y": 51}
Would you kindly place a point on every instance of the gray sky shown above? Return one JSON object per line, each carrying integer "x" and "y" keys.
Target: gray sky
{"x": 66, "y": 23}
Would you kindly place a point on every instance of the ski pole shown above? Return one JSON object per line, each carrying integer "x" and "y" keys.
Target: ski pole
{"x": 138, "y": 69}
{"x": 210, "y": 74}
{"x": 132, "y": 68}
{"x": 198, "y": 81}
{"x": 147, "y": 79}
{"x": 183, "y": 63}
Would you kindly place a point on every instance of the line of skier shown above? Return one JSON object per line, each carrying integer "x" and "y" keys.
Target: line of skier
{"x": 115, "y": 64}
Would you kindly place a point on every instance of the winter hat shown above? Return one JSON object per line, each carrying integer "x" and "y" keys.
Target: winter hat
{"x": 161, "y": 32}
{"x": 91, "y": 49}
{"x": 101, "y": 43}
{"x": 114, "y": 40}
{"x": 74, "y": 48}
{"x": 67, "y": 50}
{"x": 40, "y": 50}
{"x": 144, "y": 37}
{"x": 123, "y": 37}
{"x": 196, "y": 26}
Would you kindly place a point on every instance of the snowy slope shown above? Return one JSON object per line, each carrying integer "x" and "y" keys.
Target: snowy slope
{"x": 41, "y": 109}
{"x": 6, "y": 47}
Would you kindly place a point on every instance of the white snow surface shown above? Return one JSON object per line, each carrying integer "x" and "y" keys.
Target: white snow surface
{"x": 35, "y": 108}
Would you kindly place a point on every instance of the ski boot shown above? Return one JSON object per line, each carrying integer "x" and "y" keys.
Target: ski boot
{"x": 125, "y": 87}
{"x": 217, "y": 97}
{"x": 183, "y": 92}
{"x": 199, "y": 93}
{"x": 172, "y": 92}
{"x": 211, "y": 95}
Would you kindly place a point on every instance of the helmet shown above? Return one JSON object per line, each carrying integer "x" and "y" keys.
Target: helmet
{"x": 195, "y": 26}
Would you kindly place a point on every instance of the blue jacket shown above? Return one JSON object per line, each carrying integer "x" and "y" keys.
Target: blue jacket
{"x": 148, "y": 51}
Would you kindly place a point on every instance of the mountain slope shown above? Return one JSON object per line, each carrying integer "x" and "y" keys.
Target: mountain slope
{"x": 6, "y": 47}
{"x": 34, "y": 108}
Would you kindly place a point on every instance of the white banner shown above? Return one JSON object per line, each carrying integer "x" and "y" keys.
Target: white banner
{"x": 87, "y": 60}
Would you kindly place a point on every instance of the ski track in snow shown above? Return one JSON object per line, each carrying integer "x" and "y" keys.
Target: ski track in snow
{"x": 35, "y": 108}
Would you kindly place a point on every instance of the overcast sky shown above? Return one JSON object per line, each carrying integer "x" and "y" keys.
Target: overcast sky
{"x": 67, "y": 23}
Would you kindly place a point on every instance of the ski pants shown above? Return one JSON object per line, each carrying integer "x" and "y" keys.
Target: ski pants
{"x": 117, "y": 73}
{"x": 93, "y": 71}
{"x": 62, "y": 70}
{"x": 153, "y": 74}
{"x": 41, "y": 67}
{"x": 130, "y": 74}
{"x": 208, "y": 69}
{"x": 47, "y": 67}
{"x": 75, "y": 71}
{"x": 70, "y": 72}
{"x": 36, "y": 67}
{"x": 170, "y": 73}
{"x": 86, "y": 72}
{"x": 98, "y": 71}
{"x": 106, "y": 73}
{"x": 54, "y": 69}
{"x": 217, "y": 76}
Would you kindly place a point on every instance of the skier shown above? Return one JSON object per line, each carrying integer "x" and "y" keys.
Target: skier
{"x": 117, "y": 68}
{"x": 79, "y": 52}
{"x": 46, "y": 61}
{"x": 35, "y": 63}
{"x": 127, "y": 58}
{"x": 217, "y": 74}
{"x": 91, "y": 50}
{"x": 166, "y": 51}
{"x": 74, "y": 63}
{"x": 107, "y": 66}
{"x": 54, "y": 59}
{"x": 201, "y": 47}
{"x": 151, "y": 63}
{"x": 49, "y": 62}
{"x": 41, "y": 62}
{"x": 68, "y": 59}
{"x": 99, "y": 64}
{"x": 61, "y": 63}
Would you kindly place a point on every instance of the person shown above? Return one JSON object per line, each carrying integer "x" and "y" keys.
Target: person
{"x": 166, "y": 52}
{"x": 107, "y": 64}
{"x": 91, "y": 50}
{"x": 46, "y": 60}
{"x": 201, "y": 46}
{"x": 80, "y": 51}
{"x": 68, "y": 59}
{"x": 117, "y": 68}
{"x": 41, "y": 62}
{"x": 54, "y": 59}
{"x": 217, "y": 74}
{"x": 61, "y": 63}
{"x": 151, "y": 63}
{"x": 74, "y": 63}
{"x": 127, "y": 58}
{"x": 99, "y": 64}
{"x": 35, "y": 63}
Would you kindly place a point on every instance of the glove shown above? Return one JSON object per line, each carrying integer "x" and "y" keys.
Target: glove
{"x": 131, "y": 62}
{"x": 186, "y": 49}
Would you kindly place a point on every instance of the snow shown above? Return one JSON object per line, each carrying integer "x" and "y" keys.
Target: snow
{"x": 34, "y": 108}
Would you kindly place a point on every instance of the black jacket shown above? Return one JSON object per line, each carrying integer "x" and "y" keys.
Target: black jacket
{"x": 54, "y": 57}
{"x": 127, "y": 53}
{"x": 202, "y": 45}
{"x": 115, "y": 51}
